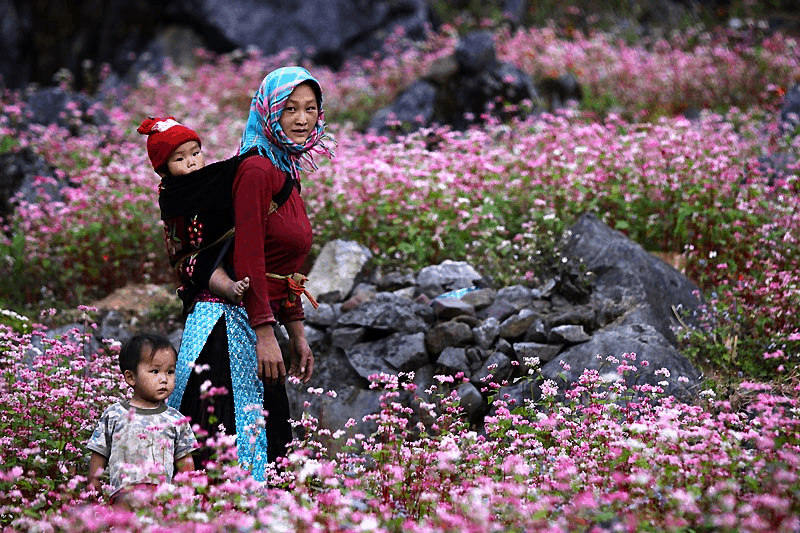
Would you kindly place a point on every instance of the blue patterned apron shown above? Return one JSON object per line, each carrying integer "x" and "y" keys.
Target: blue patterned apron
{"x": 248, "y": 391}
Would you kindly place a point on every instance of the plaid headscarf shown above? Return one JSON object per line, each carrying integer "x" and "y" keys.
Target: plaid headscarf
{"x": 264, "y": 133}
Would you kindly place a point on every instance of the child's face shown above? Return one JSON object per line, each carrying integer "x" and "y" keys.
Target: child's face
{"x": 186, "y": 159}
{"x": 154, "y": 379}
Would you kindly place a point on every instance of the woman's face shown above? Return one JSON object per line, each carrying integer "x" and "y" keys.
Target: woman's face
{"x": 299, "y": 117}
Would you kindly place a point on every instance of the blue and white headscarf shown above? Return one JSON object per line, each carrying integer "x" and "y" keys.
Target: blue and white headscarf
{"x": 264, "y": 132}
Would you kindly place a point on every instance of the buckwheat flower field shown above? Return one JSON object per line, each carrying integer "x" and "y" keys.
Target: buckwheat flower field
{"x": 608, "y": 457}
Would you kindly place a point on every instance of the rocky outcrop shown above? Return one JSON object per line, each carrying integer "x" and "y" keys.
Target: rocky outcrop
{"x": 459, "y": 90}
{"x": 81, "y": 36}
{"x": 23, "y": 175}
{"x": 447, "y": 320}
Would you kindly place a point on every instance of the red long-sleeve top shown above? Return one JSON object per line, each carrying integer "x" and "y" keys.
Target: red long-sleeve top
{"x": 277, "y": 243}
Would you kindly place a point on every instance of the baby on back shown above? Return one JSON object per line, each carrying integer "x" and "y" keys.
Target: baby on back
{"x": 176, "y": 150}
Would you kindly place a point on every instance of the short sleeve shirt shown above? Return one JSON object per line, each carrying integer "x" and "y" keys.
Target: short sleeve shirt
{"x": 141, "y": 445}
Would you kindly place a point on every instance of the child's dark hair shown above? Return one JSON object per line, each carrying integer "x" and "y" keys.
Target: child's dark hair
{"x": 134, "y": 349}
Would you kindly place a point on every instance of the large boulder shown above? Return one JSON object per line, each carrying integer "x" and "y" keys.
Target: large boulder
{"x": 459, "y": 90}
{"x": 628, "y": 277}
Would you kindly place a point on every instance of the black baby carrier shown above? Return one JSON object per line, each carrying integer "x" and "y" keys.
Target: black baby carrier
{"x": 197, "y": 212}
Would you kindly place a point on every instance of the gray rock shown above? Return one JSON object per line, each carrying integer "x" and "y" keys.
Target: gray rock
{"x": 448, "y": 274}
{"x": 515, "y": 11}
{"x": 175, "y": 337}
{"x": 450, "y": 333}
{"x": 790, "y": 110}
{"x": 113, "y": 325}
{"x": 537, "y": 331}
{"x": 475, "y": 357}
{"x": 480, "y": 298}
{"x": 472, "y": 95}
{"x": 471, "y": 321}
{"x": 392, "y": 281}
{"x": 367, "y": 359}
{"x": 120, "y": 33}
{"x": 517, "y": 295}
{"x": 333, "y": 413}
{"x": 486, "y": 333}
{"x": 22, "y": 172}
{"x": 475, "y": 52}
{"x": 363, "y": 292}
{"x": 51, "y": 105}
{"x": 431, "y": 291}
{"x": 397, "y": 353}
{"x": 515, "y": 326}
{"x": 332, "y": 371}
{"x": 423, "y": 379}
{"x": 568, "y": 334}
{"x": 613, "y": 301}
{"x": 454, "y": 359}
{"x": 530, "y": 351}
{"x": 503, "y": 346}
{"x": 471, "y": 401}
{"x": 386, "y": 312}
{"x": 336, "y": 268}
{"x": 406, "y": 292}
{"x": 315, "y": 337}
{"x": 448, "y": 308}
{"x": 499, "y": 310}
{"x": 346, "y": 337}
{"x": 406, "y": 352}
{"x": 412, "y": 109}
{"x": 583, "y": 315}
{"x": 323, "y": 316}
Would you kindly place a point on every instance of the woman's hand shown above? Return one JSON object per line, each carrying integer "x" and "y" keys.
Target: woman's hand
{"x": 270, "y": 369}
{"x": 302, "y": 365}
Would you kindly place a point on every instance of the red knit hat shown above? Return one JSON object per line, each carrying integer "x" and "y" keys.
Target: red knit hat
{"x": 164, "y": 136}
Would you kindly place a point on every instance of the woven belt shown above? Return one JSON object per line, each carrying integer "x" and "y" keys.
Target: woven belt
{"x": 296, "y": 283}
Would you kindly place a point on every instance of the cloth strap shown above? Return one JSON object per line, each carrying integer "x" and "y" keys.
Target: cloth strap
{"x": 296, "y": 283}
{"x": 278, "y": 200}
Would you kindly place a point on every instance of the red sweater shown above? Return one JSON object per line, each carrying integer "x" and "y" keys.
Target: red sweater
{"x": 278, "y": 243}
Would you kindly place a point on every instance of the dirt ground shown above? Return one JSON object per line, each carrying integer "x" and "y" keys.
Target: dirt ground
{"x": 145, "y": 306}
{"x": 138, "y": 299}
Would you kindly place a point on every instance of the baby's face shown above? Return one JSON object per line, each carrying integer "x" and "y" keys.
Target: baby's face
{"x": 186, "y": 159}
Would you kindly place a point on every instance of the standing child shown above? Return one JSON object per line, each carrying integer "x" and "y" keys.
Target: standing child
{"x": 175, "y": 150}
{"x": 142, "y": 441}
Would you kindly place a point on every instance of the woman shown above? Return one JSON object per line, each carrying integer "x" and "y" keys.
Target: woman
{"x": 236, "y": 345}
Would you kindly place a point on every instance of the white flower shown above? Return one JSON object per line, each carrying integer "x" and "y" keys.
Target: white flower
{"x": 310, "y": 468}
